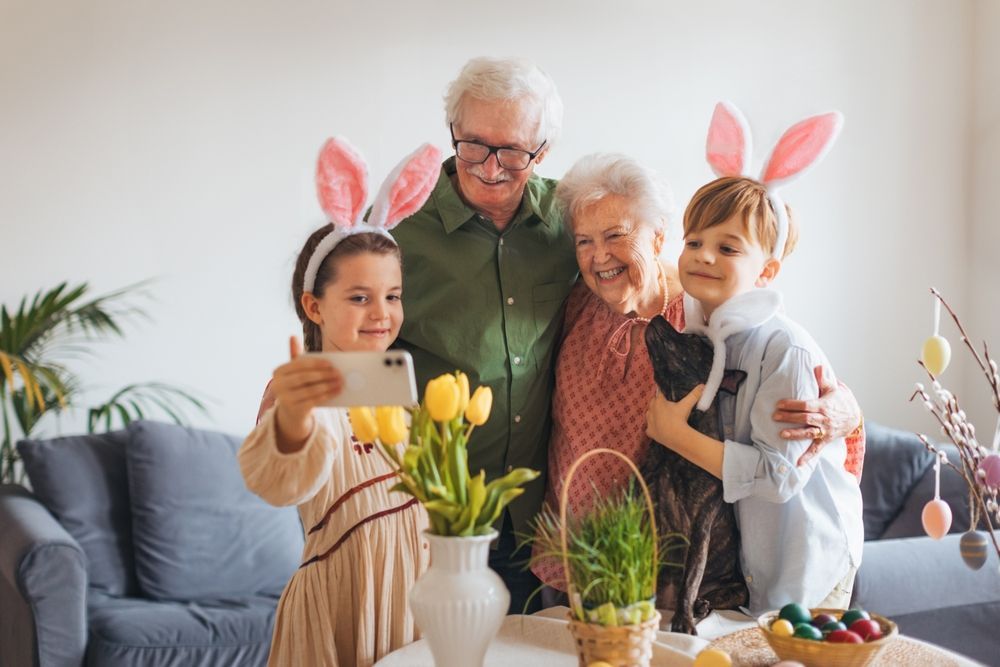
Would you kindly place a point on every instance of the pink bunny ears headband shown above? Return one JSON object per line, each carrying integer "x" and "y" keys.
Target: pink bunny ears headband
{"x": 728, "y": 150}
{"x": 342, "y": 188}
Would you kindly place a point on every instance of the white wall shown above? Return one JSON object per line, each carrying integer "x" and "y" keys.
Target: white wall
{"x": 176, "y": 140}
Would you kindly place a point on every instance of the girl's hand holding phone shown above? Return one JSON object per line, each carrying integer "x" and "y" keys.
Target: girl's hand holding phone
{"x": 298, "y": 386}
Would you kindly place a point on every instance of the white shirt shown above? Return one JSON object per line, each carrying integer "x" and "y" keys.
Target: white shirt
{"x": 801, "y": 528}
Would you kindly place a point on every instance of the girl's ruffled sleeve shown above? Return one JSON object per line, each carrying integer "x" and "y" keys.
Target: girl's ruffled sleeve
{"x": 287, "y": 479}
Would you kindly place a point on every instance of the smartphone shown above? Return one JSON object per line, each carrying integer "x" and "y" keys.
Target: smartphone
{"x": 373, "y": 378}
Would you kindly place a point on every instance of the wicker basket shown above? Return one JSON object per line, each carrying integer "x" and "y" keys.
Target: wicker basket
{"x": 621, "y": 646}
{"x": 812, "y": 653}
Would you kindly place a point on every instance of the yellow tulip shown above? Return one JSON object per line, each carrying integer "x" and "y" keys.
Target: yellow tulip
{"x": 441, "y": 398}
{"x": 391, "y": 424}
{"x": 479, "y": 406}
{"x": 463, "y": 391}
{"x": 363, "y": 423}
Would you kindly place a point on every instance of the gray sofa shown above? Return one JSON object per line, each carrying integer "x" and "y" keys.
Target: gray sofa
{"x": 921, "y": 583}
{"x": 140, "y": 547}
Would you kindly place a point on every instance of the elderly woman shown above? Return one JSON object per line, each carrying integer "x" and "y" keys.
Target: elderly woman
{"x": 617, "y": 210}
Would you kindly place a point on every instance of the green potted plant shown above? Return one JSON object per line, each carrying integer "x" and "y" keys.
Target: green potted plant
{"x": 611, "y": 560}
{"x": 39, "y": 337}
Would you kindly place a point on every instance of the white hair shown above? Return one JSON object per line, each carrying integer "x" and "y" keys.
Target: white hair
{"x": 600, "y": 175}
{"x": 496, "y": 79}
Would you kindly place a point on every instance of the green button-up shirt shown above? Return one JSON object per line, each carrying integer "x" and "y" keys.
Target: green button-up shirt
{"x": 489, "y": 303}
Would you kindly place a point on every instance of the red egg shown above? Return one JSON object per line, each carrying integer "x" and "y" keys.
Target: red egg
{"x": 867, "y": 629}
{"x": 845, "y": 637}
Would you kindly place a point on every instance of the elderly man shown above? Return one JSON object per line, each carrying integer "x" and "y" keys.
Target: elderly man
{"x": 487, "y": 266}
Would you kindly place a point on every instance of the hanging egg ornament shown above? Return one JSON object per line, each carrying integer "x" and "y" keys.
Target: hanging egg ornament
{"x": 973, "y": 548}
{"x": 991, "y": 470}
{"x": 936, "y": 518}
{"x": 936, "y": 354}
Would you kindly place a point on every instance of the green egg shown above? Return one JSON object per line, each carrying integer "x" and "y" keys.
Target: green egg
{"x": 795, "y": 613}
{"x": 852, "y": 615}
{"x": 808, "y": 631}
{"x": 830, "y": 627}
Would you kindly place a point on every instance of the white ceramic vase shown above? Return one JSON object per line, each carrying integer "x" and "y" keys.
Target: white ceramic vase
{"x": 459, "y": 603}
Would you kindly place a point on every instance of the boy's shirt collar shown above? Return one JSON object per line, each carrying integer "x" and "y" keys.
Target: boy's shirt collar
{"x": 740, "y": 313}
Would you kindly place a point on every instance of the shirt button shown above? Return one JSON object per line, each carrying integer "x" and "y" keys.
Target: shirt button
{"x": 501, "y": 241}
{"x": 517, "y": 419}
{"x": 510, "y": 301}
{"x": 517, "y": 361}
{"x": 782, "y": 469}
{"x": 749, "y": 579}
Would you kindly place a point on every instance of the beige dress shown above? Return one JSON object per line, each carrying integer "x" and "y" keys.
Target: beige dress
{"x": 347, "y": 604}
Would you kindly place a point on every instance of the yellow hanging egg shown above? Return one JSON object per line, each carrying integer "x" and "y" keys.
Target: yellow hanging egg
{"x": 713, "y": 657}
{"x": 936, "y": 354}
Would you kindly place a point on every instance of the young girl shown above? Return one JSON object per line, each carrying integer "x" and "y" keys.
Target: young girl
{"x": 346, "y": 604}
{"x": 801, "y": 529}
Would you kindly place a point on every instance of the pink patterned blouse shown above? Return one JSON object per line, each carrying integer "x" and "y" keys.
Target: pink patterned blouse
{"x": 604, "y": 383}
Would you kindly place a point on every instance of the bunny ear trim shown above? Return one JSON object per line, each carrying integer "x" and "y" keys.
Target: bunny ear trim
{"x": 803, "y": 145}
{"x": 341, "y": 182}
{"x": 407, "y": 188}
{"x": 728, "y": 146}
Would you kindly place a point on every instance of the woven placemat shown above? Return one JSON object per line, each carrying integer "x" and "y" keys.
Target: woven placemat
{"x": 749, "y": 648}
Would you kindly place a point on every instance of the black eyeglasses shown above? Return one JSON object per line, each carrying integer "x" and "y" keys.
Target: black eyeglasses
{"x": 511, "y": 159}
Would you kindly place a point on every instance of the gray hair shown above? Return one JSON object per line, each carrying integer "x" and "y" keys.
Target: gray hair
{"x": 507, "y": 79}
{"x": 599, "y": 175}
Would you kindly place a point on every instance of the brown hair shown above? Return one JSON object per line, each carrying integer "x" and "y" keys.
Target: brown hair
{"x": 355, "y": 244}
{"x": 725, "y": 197}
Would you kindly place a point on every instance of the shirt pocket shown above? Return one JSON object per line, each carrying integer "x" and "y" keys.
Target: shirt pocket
{"x": 547, "y": 299}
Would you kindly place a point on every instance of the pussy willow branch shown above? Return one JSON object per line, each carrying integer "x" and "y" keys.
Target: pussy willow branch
{"x": 966, "y": 451}
{"x": 989, "y": 366}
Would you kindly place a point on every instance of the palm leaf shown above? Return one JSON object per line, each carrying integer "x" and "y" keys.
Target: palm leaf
{"x": 139, "y": 400}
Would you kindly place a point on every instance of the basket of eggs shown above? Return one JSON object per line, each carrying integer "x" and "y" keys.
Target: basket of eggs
{"x": 826, "y": 637}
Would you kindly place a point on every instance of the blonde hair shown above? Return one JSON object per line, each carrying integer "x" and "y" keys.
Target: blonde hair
{"x": 718, "y": 201}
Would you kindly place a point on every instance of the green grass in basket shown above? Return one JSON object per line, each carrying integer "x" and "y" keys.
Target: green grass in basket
{"x": 610, "y": 549}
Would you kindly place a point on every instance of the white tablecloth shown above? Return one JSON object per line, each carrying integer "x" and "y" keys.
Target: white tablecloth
{"x": 543, "y": 640}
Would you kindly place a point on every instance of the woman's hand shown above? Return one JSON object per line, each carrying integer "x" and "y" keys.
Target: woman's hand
{"x": 299, "y": 386}
{"x": 835, "y": 414}
{"x": 667, "y": 422}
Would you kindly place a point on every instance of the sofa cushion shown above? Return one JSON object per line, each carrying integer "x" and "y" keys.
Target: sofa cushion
{"x": 954, "y": 491}
{"x": 894, "y": 462}
{"x": 198, "y": 532}
{"x": 130, "y": 631}
{"x": 81, "y": 480}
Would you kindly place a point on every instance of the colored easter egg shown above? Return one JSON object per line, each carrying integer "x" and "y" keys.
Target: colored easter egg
{"x": 852, "y": 615}
{"x": 600, "y": 663}
{"x": 991, "y": 469}
{"x": 789, "y": 663}
{"x": 936, "y": 354}
{"x": 844, "y": 637}
{"x": 782, "y": 628}
{"x": 808, "y": 631}
{"x": 795, "y": 613}
{"x": 936, "y": 518}
{"x": 867, "y": 629}
{"x": 713, "y": 657}
{"x": 833, "y": 627}
{"x": 819, "y": 620}
{"x": 973, "y": 549}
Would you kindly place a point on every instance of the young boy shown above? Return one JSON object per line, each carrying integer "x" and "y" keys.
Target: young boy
{"x": 801, "y": 527}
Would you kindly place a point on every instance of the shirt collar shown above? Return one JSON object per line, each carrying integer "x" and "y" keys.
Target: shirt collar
{"x": 454, "y": 212}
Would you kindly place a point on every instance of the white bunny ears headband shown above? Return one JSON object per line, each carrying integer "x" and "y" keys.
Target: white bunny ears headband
{"x": 342, "y": 188}
{"x": 729, "y": 149}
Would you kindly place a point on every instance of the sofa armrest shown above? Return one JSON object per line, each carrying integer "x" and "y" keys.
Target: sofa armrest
{"x": 918, "y": 574}
{"x": 43, "y": 591}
